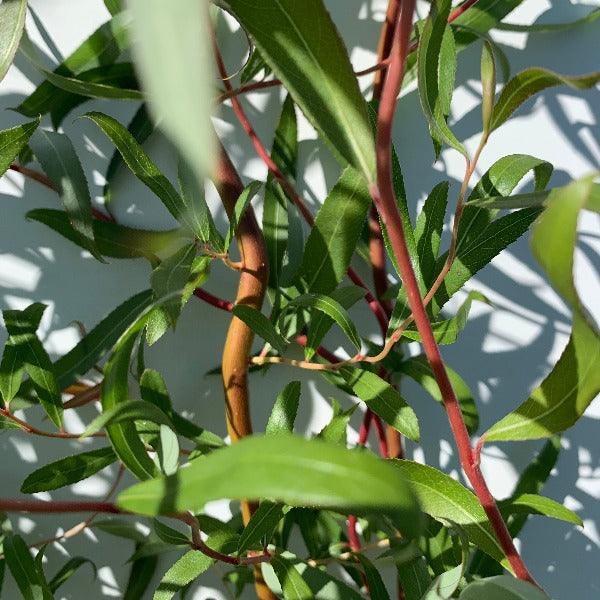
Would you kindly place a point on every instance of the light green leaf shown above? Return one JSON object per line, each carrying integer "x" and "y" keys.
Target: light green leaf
{"x": 6, "y": 423}
{"x": 260, "y": 325}
{"x": 13, "y": 140}
{"x": 539, "y": 505}
{"x": 335, "y": 430}
{"x": 114, "y": 240}
{"x": 527, "y": 83}
{"x": 168, "y": 450}
{"x": 434, "y": 80}
{"x": 58, "y": 158}
{"x": 261, "y": 526}
{"x": 286, "y": 468}
{"x": 502, "y": 587}
{"x": 383, "y": 399}
{"x": 442, "y": 497}
{"x": 12, "y": 25}
{"x": 550, "y": 27}
{"x": 22, "y": 567}
{"x": 113, "y": 6}
{"x": 120, "y": 528}
{"x": 292, "y": 583}
{"x": 285, "y": 409}
{"x": 12, "y": 370}
{"x": 332, "y": 240}
{"x": 488, "y": 84}
{"x": 172, "y": 51}
{"x": 329, "y": 306}
{"x": 125, "y": 411}
{"x": 313, "y": 64}
{"x": 574, "y": 381}
{"x": 67, "y": 570}
{"x": 418, "y": 368}
{"x": 68, "y": 471}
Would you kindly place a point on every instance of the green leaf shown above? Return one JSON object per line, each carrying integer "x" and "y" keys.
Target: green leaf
{"x": 532, "y": 504}
{"x": 120, "y": 528}
{"x": 286, "y": 468}
{"x": 169, "y": 535}
{"x": 529, "y": 82}
{"x": 320, "y": 323}
{"x": 114, "y": 240}
{"x": 241, "y": 204}
{"x": 190, "y": 566}
{"x": 58, "y": 158}
{"x": 414, "y": 577}
{"x": 260, "y": 325}
{"x": 181, "y": 89}
{"x": 68, "y": 471}
{"x": 330, "y": 307}
{"x": 428, "y": 230}
{"x": 142, "y": 166}
{"x": 285, "y": 409}
{"x": 313, "y": 64}
{"x": 67, "y": 570}
{"x": 12, "y": 25}
{"x": 169, "y": 278}
{"x": 253, "y": 67}
{"x": 383, "y": 399}
{"x": 418, "y": 368}
{"x": 292, "y": 583}
{"x": 488, "y": 85}
{"x": 140, "y": 127}
{"x": 125, "y": 411}
{"x": 502, "y": 587}
{"x": 94, "y": 54}
{"x": 335, "y": 430}
{"x": 550, "y": 27}
{"x": 261, "y": 526}
{"x": 11, "y": 372}
{"x": 13, "y": 140}
{"x": 6, "y": 423}
{"x": 375, "y": 584}
{"x": 114, "y": 6}
{"x": 168, "y": 450}
{"x": 574, "y": 381}
{"x": 436, "y": 73}
{"x": 22, "y": 567}
{"x": 444, "y": 498}
{"x": 332, "y": 240}
{"x": 140, "y": 576}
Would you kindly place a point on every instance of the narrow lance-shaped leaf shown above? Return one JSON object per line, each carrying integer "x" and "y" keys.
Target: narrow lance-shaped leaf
{"x": 488, "y": 86}
{"x": 533, "y": 504}
{"x": 12, "y": 141}
{"x": 140, "y": 576}
{"x": 550, "y": 27}
{"x": 29, "y": 580}
{"x": 68, "y": 471}
{"x": 180, "y": 89}
{"x": 286, "y": 468}
{"x": 241, "y": 204}
{"x": 261, "y": 526}
{"x": 375, "y": 583}
{"x": 574, "y": 382}
{"x": 67, "y": 570}
{"x": 292, "y": 583}
{"x": 502, "y": 587}
{"x": 432, "y": 72}
{"x": 58, "y": 158}
{"x": 12, "y": 24}
{"x": 313, "y": 64}
{"x": 285, "y": 409}
{"x": 260, "y": 325}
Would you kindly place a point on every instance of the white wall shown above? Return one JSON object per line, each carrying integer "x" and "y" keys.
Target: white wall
{"x": 504, "y": 352}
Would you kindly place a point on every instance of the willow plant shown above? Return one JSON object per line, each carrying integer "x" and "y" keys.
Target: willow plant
{"x": 355, "y": 508}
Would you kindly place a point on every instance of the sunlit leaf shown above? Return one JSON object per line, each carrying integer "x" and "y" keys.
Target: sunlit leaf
{"x": 502, "y": 587}
{"x": 285, "y": 409}
{"x": 260, "y": 325}
{"x": 13, "y": 140}
{"x": 12, "y": 24}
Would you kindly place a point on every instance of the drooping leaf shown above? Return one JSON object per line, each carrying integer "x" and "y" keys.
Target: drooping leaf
{"x": 58, "y": 158}
{"x": 168, "y": 450}
{"x": 140, "y": 576}
{"x": 113, "y": 240}
{"x": 313, "y": 64}
{"x": 261, "y": 526}
{"x": 12, "y": 369}
{"x": 527, "y": 83}
{"x": 574, "y": 381}
{"x": 550, "y": 27}
{"x": 169, "y": 535}
{"x": 418, "y": 368}
{"x": 488, "y": 85}
{"x": 12, "y": 24}
{"x": 68, "y": 471}
{"x": 375, "y": 583}
{"x": 13, "y": 140}
{"x": 260, "y": 325}
{"x": 436, "y": 73}
{"x": 241, "y": 204}
{"x": 125, "y": 411}
{"x": 67, "y": 570}
{"x": 285, "y": 409}
{"x": 286, "y": 468}
{"x": 442, "y": 497}
{"x": 29, "y": 580}
{"x": 292, "y": 583}
{"x": 332, "y": 240}
{"x": 383, "y": 399}
{"x": 534, "y": 504}
{"x": 120, "y": 528}
{"x": 502, "y": 587}
{"x": 181, "y": 90}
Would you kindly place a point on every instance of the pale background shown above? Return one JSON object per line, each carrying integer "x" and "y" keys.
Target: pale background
{"x": 504, "y": 352}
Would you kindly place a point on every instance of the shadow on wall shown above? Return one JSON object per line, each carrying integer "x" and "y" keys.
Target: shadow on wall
{"x": 503, "y": 353}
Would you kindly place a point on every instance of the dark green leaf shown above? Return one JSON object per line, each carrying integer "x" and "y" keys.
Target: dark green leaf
{"x": 375, "y": 584}
{"x": 383, "y": 399}
{"x": 313, "y": 64}
{"x": 140, "y": 576}
{"x": 502, "y": 587}
{"x": 169, "y": 535}
{"x": 120, "y": 528}
{"x": 285, "y": 468}
{"x": 285, "y": 409}
{"x": 12, "y": 25}
{"x": 550, "y": 27}
{"x": 414, "y": 577}
{"x": 332, "y": 240}
{"x": 12, "y": 370}
{"x": 113, "y": 6}
{"x": 22, "y": 567}
{"x": 260, "y": 325}
{"x": 261, "y": 526}
{"x": 67, "y": 471}
{"x": 253, "y": 67}
{"x": 241, "y": 204}
{"x": 12, "y": 141}
{"x": 67, "y": 570}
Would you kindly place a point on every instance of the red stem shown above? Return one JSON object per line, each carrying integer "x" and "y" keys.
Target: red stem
{"x": 214, "y": 300}
{"x": 384, "y": 198}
